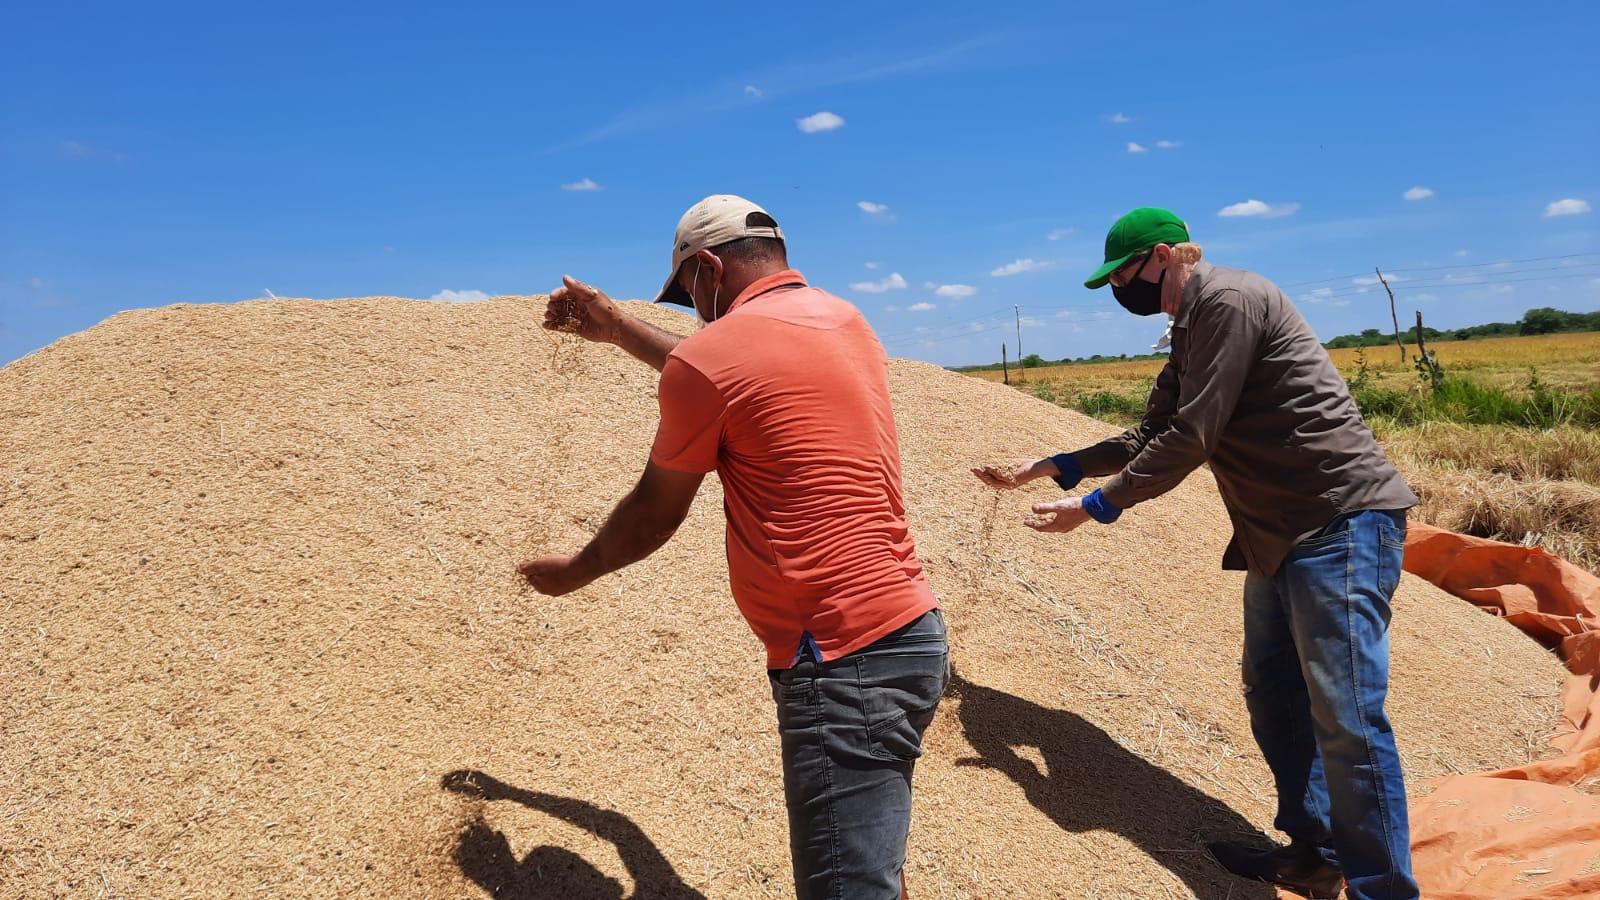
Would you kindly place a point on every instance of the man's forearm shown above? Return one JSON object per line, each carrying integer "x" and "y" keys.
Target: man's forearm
{"x": 629, "y": 535}
{"x": 644, "y": 341}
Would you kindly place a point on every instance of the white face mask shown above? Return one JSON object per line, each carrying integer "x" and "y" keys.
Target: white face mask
{"x": 715, "y": 296}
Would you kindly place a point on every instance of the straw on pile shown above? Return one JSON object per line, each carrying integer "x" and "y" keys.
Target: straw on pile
{"x": 260, "y": 635}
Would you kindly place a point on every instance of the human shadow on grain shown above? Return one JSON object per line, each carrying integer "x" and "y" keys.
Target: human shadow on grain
{"x": 550, "y": 872}
{"x": 1089, "y": 782}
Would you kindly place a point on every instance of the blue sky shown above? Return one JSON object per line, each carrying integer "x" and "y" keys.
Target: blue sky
{"x": 157, "y": 153}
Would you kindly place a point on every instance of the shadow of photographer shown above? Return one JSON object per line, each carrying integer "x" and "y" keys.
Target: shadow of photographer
{"x": 549, "y": 872}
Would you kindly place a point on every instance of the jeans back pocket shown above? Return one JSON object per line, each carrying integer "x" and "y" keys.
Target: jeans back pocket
{"x": 899, "y": 696}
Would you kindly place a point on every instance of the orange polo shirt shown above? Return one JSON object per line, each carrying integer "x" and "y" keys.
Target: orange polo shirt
{"x": 786, "y": 397}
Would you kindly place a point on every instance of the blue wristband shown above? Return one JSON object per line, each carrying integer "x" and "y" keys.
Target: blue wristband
{"x": 1099, "y": 508}
{"x": 1071, "y": 472}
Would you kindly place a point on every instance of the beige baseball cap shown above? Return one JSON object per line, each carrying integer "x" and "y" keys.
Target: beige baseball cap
{"x": 712, "y": 222}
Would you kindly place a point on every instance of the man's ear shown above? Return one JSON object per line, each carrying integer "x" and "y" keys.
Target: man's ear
{"x": 710, "y": 261}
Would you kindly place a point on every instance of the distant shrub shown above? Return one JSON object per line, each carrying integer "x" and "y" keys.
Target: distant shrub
{"x": 1385, "y": 402}
{"x": 1453, "y": 398}
{"x": 1108, "y": 405}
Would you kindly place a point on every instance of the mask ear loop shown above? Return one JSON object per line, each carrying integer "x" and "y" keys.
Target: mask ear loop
{"x": 694, "y": 283}
{"x": 716, "y": 295}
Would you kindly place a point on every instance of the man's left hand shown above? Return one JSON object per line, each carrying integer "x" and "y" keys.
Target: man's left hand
{"x": 1059, "y": 516}
{"x": 552, "y": 575}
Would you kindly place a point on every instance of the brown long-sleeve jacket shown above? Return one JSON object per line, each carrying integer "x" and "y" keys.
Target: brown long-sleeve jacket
{"x": 1251, "y": 390}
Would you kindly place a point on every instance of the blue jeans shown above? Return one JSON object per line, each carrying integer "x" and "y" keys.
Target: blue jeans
{"x": 1316, "y": 672}
{"x": 851, "y": 731}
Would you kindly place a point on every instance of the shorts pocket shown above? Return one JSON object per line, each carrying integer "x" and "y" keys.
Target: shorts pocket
{"x": 1321, "y": 541}
{"x": 1393, "y": 536}
{"x": 899, "y": 696}
{"x": 1391, "y": 558}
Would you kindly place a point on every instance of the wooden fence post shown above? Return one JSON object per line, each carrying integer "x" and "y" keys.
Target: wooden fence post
{"x": 1392, "y": 317}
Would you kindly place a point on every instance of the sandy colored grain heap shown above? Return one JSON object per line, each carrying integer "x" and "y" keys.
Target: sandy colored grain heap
{"x": 260, "y": 635}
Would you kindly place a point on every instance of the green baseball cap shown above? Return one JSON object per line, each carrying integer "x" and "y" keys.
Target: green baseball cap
{"x": 1137, "y": 231}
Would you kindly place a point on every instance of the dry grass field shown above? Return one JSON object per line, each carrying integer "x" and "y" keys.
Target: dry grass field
{"x": 1561, "y": 359}
{"x": 1532, "y": 479}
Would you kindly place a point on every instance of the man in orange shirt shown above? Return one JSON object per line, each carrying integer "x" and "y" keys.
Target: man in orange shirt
{"x": 785, "y": 394}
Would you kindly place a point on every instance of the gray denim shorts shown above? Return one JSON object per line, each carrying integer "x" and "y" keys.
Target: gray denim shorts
{"x": 851, "y": 731}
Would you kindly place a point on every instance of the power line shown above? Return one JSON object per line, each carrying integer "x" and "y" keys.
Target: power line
{"x": 993, "y": 322}
{"x": 1578, "y": 271}
{"x": 946, "y": 332}
{"x": 952, "y": 331}
{"x": 1500, "y": 262}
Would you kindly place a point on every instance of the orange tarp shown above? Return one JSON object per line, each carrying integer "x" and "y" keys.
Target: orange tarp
{"x": 1530, "y": 832}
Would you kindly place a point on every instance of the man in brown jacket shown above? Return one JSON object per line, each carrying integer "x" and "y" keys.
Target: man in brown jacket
{"x": 1319, "y": 525}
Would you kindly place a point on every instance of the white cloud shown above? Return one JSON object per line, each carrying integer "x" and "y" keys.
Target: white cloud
{"x": 460, "y": 296}
{"x": 1503, "y": 289}
{"x": 877, "y": 211}
{"x": 1073, "y": 315}
{"x": 1017, "y": 267}
{"x": 1258, "y": 208}
{"x": 818, "y": 122}
{"x": 1419, "y": 193}
{"x": 751, "y": 90}
{"x": 872, "y": 265}
{"x": 1370, "y": 280}
{"x": 38, "y": 284}
{"x": 1462, "y": 254}
{"x": 1169, "y": 145}
{"x": 1318, "y": 295}
{"x": 1137, "y": 148}
{"x": 587, "y": 184}
{"x": 1423, "y": 298}
{"x": 1566, "y": 207}
{"x": 953, "y": 291}
{"x": 891, "y": 308}
{"x": 83, "y": 151}
{"x": 1060, "y": 233}
{"x": 920, "y": 307}
{"x": 1118, "y": 119}
{"x": 893, "y": 282}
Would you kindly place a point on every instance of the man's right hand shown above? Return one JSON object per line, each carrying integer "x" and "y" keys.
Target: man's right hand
{"x": 577, "y": 308}
{"x": 1016, "y": 474}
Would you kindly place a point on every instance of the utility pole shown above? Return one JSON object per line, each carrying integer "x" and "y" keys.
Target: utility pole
{"x": 1392, "y": 316}
{"x": 1018, "y": 310}
{"x": 1005, "y": 370}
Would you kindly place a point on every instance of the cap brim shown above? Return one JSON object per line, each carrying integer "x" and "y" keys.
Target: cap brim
{"x": 671, "y": 293}
{"x": 1103, "y": 274}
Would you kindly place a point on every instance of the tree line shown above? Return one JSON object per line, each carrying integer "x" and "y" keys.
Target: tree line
{"x": 1544, "y": 320}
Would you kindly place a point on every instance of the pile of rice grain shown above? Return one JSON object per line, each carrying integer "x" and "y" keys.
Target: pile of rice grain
{"x": 260, "y": 634}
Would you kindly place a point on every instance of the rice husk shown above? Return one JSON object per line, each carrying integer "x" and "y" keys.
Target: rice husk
{"x": 260, "y": 634}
